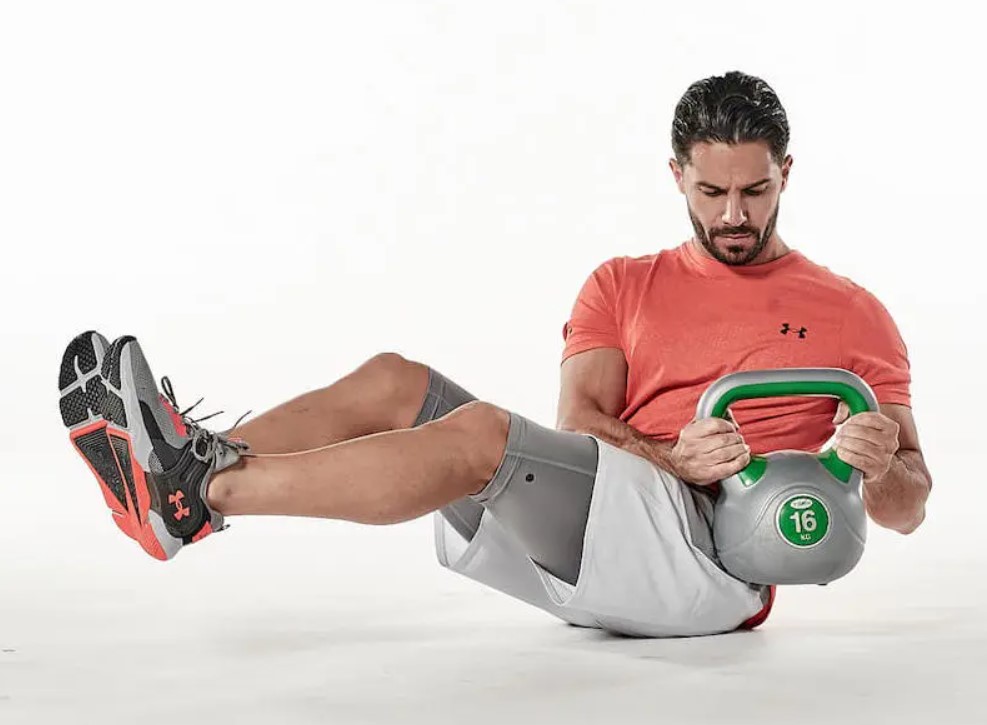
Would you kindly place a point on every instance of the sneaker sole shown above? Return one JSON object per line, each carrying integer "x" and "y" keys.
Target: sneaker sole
{"x": 97, "y": 426}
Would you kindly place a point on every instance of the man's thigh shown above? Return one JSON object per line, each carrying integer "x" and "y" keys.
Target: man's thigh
{"x": 541, "y": 491}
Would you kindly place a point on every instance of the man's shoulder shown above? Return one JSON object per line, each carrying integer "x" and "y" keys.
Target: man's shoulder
{"x": 633, "y": 265}
{"x": 822, "y": 275}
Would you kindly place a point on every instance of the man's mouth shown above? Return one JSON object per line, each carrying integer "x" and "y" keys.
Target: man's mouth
{"x": 736, "y": 236}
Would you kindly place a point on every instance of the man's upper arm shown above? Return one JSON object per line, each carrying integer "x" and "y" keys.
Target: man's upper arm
{"x": 872, "y": 347}
{"x": 594, "y": 380}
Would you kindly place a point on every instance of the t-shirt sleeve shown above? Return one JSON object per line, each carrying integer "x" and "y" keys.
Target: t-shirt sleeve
{"x": 593, "y": 322}
{"x": 872, "y": 348}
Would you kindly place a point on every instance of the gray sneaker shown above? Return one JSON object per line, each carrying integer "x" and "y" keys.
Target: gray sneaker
{"x": 152, "y": 461}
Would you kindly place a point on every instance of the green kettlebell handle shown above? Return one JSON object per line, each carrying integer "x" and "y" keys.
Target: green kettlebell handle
{"x": 828, "y": 382}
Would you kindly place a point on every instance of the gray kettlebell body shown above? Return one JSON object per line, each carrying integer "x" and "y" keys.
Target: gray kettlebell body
{"x": 790, "y": 517}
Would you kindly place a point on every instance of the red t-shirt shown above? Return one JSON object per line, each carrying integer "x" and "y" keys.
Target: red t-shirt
{"x": 683, "y": 319}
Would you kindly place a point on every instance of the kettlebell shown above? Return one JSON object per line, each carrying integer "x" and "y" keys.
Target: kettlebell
{"x": 790, "y": 517}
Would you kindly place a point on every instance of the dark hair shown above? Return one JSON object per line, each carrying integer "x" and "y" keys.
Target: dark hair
{"x": 733, "y": 108}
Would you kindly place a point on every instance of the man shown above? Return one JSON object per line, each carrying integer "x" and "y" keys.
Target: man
{"x": 605, "y": 522}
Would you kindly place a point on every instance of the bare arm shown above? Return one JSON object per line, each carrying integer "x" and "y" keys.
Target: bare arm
{"x": 895, "y": 499}
{"x": 593, "y": 390}
{"x": 594, "y": 387}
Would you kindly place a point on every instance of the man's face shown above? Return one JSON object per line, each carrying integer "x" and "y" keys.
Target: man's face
{"x": 732, "y": 190}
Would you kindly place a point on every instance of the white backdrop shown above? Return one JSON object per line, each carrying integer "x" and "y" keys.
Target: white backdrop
{"x": 266, "y": 194}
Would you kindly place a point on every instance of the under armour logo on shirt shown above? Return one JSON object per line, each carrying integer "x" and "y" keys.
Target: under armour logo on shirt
{"x": 786, "y": 328}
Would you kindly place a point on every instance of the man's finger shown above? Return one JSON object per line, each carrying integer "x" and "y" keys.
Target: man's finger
{"x": 728, "y": 468}
{"x": 719, "y": 441}
{"x": 861, "y": 446}
{"x": 730, "y": 453}
{"x": 865, "y": 436}
{"x": 862, "y": 461}
{"x": 875, "y": 421}
{"x": 708, "y": 426}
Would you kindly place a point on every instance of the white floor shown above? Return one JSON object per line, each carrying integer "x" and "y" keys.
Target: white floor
{"x": 299, "y": 621}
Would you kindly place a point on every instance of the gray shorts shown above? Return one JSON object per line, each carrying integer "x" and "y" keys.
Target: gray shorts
{"x": 541, "y": 491}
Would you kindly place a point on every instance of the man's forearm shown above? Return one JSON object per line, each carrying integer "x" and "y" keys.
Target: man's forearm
{"x": 897, "y": 500}
{"x": 618, "y": 433}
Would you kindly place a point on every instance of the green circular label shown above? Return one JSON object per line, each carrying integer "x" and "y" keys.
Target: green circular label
{"x": 803, "y": 520}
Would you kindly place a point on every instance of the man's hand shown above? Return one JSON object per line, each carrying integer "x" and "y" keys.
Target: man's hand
{"x": 709, "y": 449}
{"x": 867, "y": 441}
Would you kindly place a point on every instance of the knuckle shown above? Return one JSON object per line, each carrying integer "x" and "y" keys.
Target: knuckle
{"x": 694, "y": 429}
{"x": 723, "y": 455}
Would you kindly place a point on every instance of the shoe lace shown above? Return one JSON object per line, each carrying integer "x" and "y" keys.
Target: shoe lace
{"x": 206, "y": 443}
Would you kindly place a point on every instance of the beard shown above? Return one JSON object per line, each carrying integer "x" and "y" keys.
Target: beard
{"x": 732, "y": 253}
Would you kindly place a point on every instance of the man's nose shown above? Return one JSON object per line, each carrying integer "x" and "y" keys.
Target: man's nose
{"x": 734, "y": 214}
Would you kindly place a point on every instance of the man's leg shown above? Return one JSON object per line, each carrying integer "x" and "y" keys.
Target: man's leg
{"x": 384, "y": 393}
{"x": 381, "y": 478}
{"x": 156, "y": 467}
{"x": 389, "y": 393}
{"x": 441, "y": 397}
{"x": 158, "y": 470}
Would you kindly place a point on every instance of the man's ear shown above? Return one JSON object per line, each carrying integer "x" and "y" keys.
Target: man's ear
{"x": 785, "y": 168}
{"x": 677, "y": 173}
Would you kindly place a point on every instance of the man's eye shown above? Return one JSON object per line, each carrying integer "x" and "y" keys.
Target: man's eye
{"x": 748, "y": 193}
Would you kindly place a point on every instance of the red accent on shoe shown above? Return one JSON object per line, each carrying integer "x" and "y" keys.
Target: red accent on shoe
{"x": 125, "y": 518}
{"x": 203, "y": 532}
{"x": 759, "y": 618}
{"x": 176, "y": 500}
{"x": 143, "y": 532}
{"x": 176, "y": 419}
